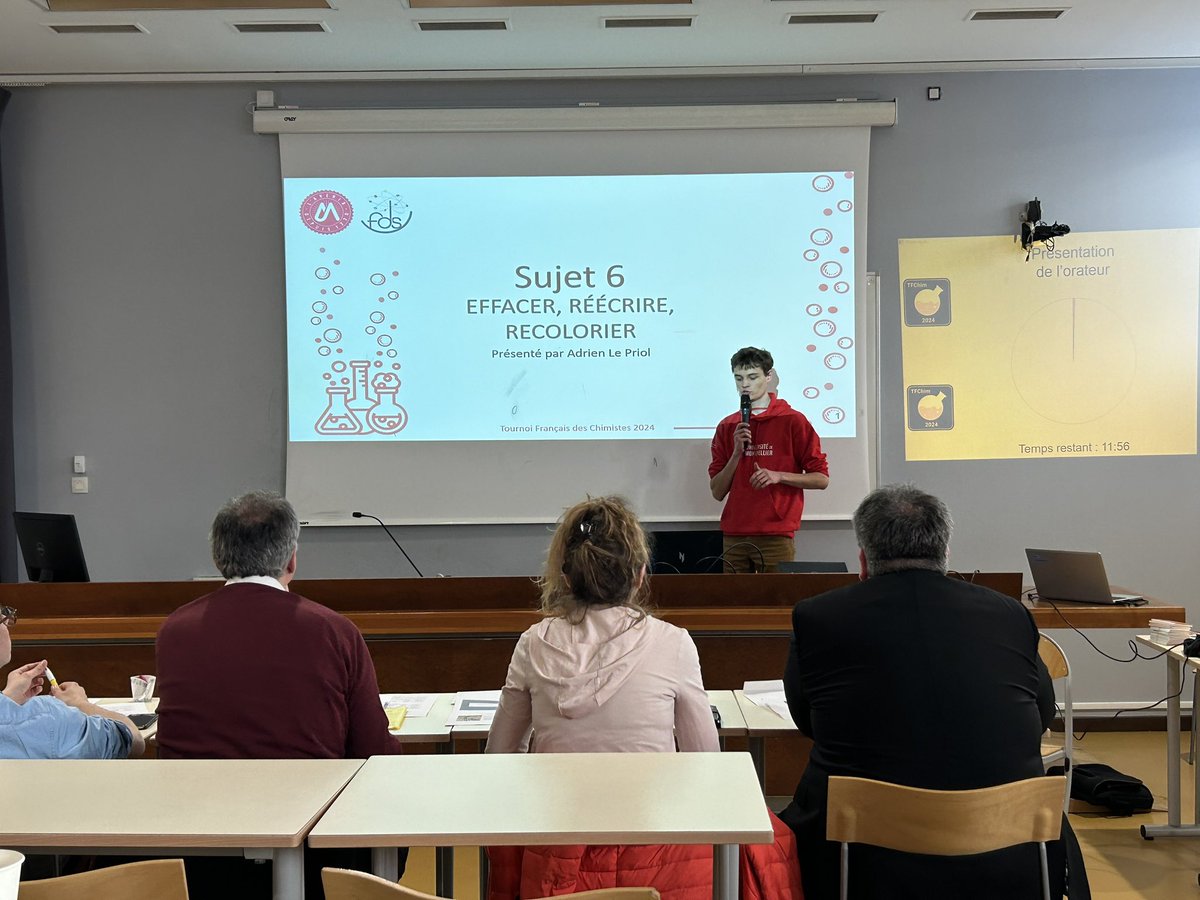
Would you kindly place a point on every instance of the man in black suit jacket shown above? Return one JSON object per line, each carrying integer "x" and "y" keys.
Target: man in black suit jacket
{"x": 921, "y": 679}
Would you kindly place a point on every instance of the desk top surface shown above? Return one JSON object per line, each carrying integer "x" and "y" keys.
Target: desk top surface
{"x": 548, "y": 798}
{"x": 166, "y": 802}
{"x": 761, "y": 721}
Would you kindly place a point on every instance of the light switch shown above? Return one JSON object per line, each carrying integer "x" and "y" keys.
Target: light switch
{"x": 79, "y": 465}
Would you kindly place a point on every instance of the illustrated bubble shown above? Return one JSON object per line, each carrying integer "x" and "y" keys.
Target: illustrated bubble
{"x": 327, "y": 377}
{"x": 332, "y": 335}
{"x": 841, "y": 286}
{"x": 322, "y": 250}
{"x": 345, "y": 381}
{"x": 811, "y": 392}
{"x": 822, "y": 183}
{"x": 329, "y": 316}
{"x": 828, "y": 386}
{"x": 324, "y": 292}
{"x": 392, "y": 354}
{"x": 338, "y": 289}
{"x": 378, "y": 353}
{"x": 339, "y": 350}
{"x": 833, "y": 414}
{"x": 370, "y": 329}
{"x": 392, "y": 326}
{"x": 339, "y": 366}
{"x": 322, "y": 272}
{"x": 393, "y": 295}
{"x": 827, "y": 211}
{"x": 811, "y": 255}
{"x": 316, "y": 320}
{"x": 832, "y": 310}
{"x": 821, "y": 236}
{"x": 379, "y": 364}
{"x": 822, "y": 287}
{"x": 831, "y": 269}
{"x": 378, "y": 279}
{"x": 320, "y": 306}
{"x": 845, "y": 342}
{"x": 324, "y": 351}
{"x": 813, "y": 309}
{"x": 395, "y": 272}
{"x": 384, "y": 340}
{"x": 811, "y": 348}
{"x": 834, "y": 361}
{"x": 849, "y": 174}
{"x": 824, "y": 327}
{"x": 845, "y": 205}
{"x": 337, "y": 262}
{"x": 843, "y": 249}
{"x": 377, "y": 317}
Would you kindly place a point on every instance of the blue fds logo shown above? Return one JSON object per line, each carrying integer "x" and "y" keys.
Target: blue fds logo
{"x": 389, "y": 213}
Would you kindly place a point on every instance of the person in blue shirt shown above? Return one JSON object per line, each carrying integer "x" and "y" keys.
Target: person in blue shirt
{"x": 63, "y": 725}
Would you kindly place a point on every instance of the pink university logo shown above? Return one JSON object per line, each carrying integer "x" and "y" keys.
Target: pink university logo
{"x": 326, "y": 212}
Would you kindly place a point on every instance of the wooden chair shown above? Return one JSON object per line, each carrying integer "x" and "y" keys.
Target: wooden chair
{"x": 344, "y": 884}
{"x": 156, "y": 879}
{"x": 1060, "y": 670}
{"x": 944, "y": 823}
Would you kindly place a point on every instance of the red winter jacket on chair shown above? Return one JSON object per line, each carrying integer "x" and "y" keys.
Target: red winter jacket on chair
{"x": 678, "y": 871}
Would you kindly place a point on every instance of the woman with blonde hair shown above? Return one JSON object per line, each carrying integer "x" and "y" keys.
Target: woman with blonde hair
{"x": 599, "y": 672}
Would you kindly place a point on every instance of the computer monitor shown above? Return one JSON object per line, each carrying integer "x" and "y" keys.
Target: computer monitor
{"x": 50, "y": 546}
{"x": 803, "y": 566}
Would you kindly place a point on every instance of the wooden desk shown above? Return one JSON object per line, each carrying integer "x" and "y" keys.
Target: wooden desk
{"x": 762, "y": 723}
{"x": 447, "y": 634}
{"x": 1175, "y": 661}
{"x": 551, "y": 798}
{"x": 262, "y": 809}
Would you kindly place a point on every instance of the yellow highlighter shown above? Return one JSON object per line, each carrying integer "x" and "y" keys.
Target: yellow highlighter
{"x": 50, "y": 677}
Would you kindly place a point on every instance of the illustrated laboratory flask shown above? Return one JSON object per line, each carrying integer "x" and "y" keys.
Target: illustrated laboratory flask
{"x": 387, "y": 416}
{"x": 360, "y": 397}
{"x": 338, "y": 418}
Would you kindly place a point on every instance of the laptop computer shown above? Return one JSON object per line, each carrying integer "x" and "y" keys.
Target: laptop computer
{"x": 694, "y": 552}
{"x": 1074, "y": 575}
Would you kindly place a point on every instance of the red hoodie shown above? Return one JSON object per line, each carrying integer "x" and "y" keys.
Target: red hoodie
{"x": 782, "y": 440}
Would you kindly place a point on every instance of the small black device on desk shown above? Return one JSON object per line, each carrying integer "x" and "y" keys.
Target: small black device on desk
{"x": 716, "y": 715}
{"x": 143, "y": 720}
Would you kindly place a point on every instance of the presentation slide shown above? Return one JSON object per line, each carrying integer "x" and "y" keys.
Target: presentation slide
{"x": 565, "y": 307}
{"x": 1087, "y": 349}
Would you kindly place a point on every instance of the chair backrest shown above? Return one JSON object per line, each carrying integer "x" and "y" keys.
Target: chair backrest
{"x": 629, "y": 893}
{"x": 1054, "y": 658}
{"x": 944, "y": 823}
{"x": 156, "y": 879}
{"x": 345, "y": 884}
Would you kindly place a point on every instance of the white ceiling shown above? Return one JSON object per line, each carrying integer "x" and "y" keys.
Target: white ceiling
{"x": 378, "y": 39}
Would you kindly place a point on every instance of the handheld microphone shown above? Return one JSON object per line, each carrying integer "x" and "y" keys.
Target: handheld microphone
{"x": 362, "y": 515}
{"x": 745, "y": 409}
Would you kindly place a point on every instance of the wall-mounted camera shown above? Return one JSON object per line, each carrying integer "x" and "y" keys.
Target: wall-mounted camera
{"x": 1034, "y": 229}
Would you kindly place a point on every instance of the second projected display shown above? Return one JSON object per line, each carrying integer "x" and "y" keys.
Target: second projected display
{"x": 574, "y": 307}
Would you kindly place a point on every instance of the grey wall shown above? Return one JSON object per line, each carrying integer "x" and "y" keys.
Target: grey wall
{"x": 146, "y": 266}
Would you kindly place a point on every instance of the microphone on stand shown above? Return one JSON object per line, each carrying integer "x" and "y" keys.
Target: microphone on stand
{"x": 362, "y": 515}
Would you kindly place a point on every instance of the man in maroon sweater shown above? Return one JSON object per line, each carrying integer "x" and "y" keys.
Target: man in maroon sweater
{"x": 252, "y": 671}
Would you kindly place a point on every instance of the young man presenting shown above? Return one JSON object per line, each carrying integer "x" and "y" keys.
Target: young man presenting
{"x": 763, "y": 459}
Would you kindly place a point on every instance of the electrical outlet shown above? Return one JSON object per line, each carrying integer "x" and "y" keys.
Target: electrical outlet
{"x": 79, "y": 485}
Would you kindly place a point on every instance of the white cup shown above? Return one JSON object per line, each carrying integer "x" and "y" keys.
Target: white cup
{"x": 141, "y": 687}
{"x": 10, "y": 873}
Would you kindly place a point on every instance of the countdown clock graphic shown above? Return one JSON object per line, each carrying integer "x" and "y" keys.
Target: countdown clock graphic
{"x": 1073, "y": 361}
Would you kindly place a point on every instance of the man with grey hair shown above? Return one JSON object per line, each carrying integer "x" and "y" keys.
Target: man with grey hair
{"x": 918, "y": 678}
{"x": 252, "y": 671}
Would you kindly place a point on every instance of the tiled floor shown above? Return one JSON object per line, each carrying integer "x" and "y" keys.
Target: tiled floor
{"x": 1120, "y": 862}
